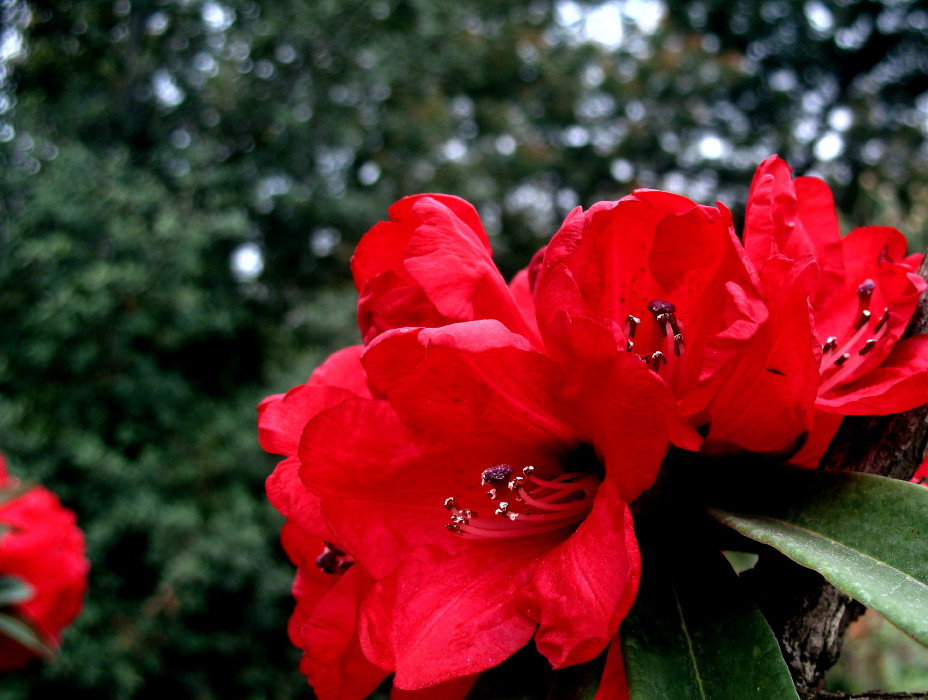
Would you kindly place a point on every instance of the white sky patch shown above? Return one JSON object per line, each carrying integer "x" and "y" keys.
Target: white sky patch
{"x": 216, "y": 17}
{"x": 247, "y": 262}
{"x": 369, "y": 173}
{"x": 11, "y": 44}
{"x": 647, "y": 14}
{"x": 819, "y": 16}
{"x": 829, "y": 147}
{"x": 505, "y": 144}
{"x": 621, "y": 170}
{"x": 711, "y": 147}
{"x": 166, "y": 89}
{"x": 841, "y": 118}
{"x": 454, "y": 149}
{"x": 323, "y": 241}
{"x": 604, "y": 23}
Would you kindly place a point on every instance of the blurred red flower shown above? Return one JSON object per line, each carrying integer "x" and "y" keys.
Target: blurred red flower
{"x": 42, "y": 547}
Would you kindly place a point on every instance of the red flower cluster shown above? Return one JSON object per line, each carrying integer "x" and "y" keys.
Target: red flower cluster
{"x": 460, "y": 483}
{"x": 41, "y": 547}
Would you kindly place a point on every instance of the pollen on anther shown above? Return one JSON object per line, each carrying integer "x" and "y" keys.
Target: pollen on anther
{"x": 658, "y": 307}
{"x": 884, "y": 319}
{"x": 450, "y": 503}
{"x": 865, "y": 290}
{"x": 656, "y": 359}
{"x": 830, "y": 344}
{"x": 863, "y": 320}
{"x": 841, "y": 360}
{"x": 868, "y": 346}
{"x": 496, "y": 475}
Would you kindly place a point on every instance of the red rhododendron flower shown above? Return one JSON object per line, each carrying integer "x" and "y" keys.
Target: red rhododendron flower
{"x": 862, "y": 289}
{"x": 41, "y": 546}
{"x": 535, "y": 413}
{"x": 466, "y": 490}
{"x": 669, "y": 280}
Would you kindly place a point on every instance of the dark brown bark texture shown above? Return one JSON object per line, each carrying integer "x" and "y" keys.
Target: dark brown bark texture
{"x": 808, "y": 615}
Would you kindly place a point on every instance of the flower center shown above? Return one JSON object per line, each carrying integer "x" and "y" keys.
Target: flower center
{"x": 533, "y": 505}
{"x": 841, "y": 357}
{"x": 666, "y": 340}
{"x": 334, "y": 560}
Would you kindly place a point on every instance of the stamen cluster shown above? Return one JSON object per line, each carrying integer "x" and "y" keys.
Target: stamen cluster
{"x": 547, "y": 505}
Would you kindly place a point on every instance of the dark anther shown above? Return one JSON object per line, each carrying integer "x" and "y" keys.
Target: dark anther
{"x": 866, "y": 288}
{"x": 497, "y": 474}
{"x": 657, "y": 307}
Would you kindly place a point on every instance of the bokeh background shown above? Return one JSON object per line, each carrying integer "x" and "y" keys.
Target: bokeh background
{"x": 181, "y": 186}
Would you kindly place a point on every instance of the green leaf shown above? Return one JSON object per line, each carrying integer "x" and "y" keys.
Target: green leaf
{"x": 14, "y": 590}
{"x": 22, "y": 632}
{"x": 695, "y": 634}
{"x": 866, "y": 534}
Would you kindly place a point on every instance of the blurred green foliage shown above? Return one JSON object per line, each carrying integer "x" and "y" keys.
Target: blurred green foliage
{"x": 877, "y": 655}
{"x": 147, "y": 146}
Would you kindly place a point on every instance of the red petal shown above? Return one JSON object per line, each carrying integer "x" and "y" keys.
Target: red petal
{"x": 614, "y": 259}
{"x": 791, "y": 218}
{"x": 461, "y": 399}
{"x": 310, "y": 583}
{"x": 343, "y": 369}
{"x": 613, "y": 686}
{"x": 475, "y": 384}
{"x": 824, "y": 427}
{"x": 380, "y": 494}
{"x": 620, "y": 407}
{"x": 520, "y": 287}
{"x": 401, "y": 269}
{"x": 440, "y": 617}
{"x": 294, "y": 501}
{"x": 456, "y": 689}
{"x": 765, "y": 404}
{"x": 900, "y": 384}
{"x": 876, "y": 253}
{"x": 282, "y": 417}
{"x": 583, "y": 588}
{"x": 333, "y": 661}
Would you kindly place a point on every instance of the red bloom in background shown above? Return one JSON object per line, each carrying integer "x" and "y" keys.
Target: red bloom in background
{"x": 41, "y": 546}
{"x": 466, "y": 491}
{"x": 862, "y": 289}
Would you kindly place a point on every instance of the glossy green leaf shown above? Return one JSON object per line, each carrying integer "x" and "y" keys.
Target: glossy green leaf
{"x": 867, "y": 535}
{"x": 23, "y": 633}
{"x": 695, "y": 634}
{"x": 14, "y": 590}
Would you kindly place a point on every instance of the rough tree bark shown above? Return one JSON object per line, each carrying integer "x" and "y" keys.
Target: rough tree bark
{"x": 808, "y": 615}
